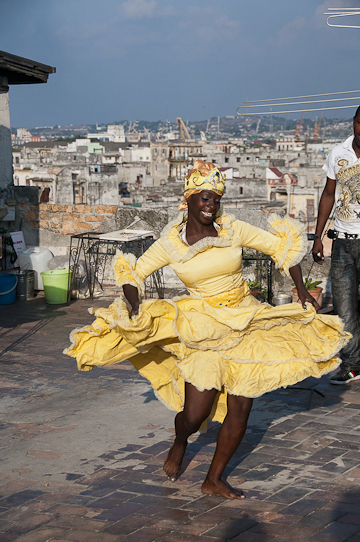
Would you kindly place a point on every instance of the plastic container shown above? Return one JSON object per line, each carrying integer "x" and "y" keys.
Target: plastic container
{"x": 8, "y": 283}
{"x": 35, "y": 258}
{"x": 25, "y": 285}
{"x": 56, "y": 286}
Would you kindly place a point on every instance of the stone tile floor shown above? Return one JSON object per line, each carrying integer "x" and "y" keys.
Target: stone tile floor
{"x": 81, "y": 453}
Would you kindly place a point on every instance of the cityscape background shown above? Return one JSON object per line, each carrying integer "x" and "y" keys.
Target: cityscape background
{"x": 161, "y": 59}
{"x": 137, "y": 90}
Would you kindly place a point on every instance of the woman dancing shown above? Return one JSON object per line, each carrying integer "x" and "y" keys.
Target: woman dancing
{"x": 209, "y": 354}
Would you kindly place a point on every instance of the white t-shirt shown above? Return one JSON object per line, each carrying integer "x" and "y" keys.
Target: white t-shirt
{"x": 343, "y": 165}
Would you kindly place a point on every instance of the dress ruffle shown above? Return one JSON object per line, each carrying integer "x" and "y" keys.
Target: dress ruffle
{"x": 219, "y": 337}
{"x": 245, "y": 348}
{"x": 182, "y": 252}
{"x": 124, "y": 268}
{"x": 293, "y": 245}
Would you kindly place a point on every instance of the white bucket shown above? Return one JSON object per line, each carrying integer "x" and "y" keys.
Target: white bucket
{"x": 36, "y": 258}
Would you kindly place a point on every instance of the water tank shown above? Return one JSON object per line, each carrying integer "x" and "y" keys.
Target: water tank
{"x": 36, "y": 258}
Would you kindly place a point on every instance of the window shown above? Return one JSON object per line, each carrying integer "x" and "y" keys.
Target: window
{"x": 226, "y": 160}
{"x": 310, "y": 208}
{"x": 248, "y": 158}
{"x": 74, "y": 176}
{"x": 238, "y": 159}
{"x": 241, "y": 190}
{"x": 79, "y": 193}
{"x": 17, "y": 160}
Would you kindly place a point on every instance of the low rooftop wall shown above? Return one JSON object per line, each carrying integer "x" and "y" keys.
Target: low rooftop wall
{"x": 51, "y": 226}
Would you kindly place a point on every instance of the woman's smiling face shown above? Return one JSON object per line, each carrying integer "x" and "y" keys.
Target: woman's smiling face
{"x": 204, "y": 206}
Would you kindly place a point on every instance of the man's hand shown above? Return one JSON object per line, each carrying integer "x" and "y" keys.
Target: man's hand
{"x": 318, "y": 251}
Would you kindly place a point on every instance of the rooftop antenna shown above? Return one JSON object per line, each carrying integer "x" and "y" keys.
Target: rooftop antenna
{"x": 341, "y": 12}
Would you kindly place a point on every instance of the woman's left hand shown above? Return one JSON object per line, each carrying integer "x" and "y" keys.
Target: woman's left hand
{"x": 302, "y": 292}
{"x": 304, "y": 296}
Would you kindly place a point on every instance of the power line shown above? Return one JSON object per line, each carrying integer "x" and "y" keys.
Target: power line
{"x": 293, "y": 110}
{"x": 299, "y": 103}
{"x": 308, "y": 96}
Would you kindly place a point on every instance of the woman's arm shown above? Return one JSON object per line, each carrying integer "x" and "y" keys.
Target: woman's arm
{"x": 296, "y": 275}
{"x": 132, "y": 295}
{"x": 286, "y": 242}
{"x": 130, "y": 273}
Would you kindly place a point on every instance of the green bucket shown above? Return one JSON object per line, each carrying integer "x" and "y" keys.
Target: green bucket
{"x": 56, "y": 286}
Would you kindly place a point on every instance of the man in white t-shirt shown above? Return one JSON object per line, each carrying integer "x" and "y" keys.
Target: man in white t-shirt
{"x": 343, "y": 188}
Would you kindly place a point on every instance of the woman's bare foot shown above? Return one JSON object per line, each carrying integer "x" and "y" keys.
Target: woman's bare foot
{"x": 173, "y": 461}
{"x": 218, "y": 487}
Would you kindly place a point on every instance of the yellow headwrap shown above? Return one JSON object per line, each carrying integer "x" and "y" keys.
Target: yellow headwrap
{"x": 203, "y": 176}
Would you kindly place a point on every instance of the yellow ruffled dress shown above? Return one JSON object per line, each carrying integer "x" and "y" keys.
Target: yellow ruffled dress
{"x": 220, "y": 336}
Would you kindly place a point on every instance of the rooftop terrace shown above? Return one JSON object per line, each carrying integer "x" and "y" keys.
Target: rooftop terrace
{"x": 82, "y": 453}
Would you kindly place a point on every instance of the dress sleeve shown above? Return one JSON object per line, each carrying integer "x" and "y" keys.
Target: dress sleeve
{"x": 129, "y": 270}
{"x": 286, "y": 242}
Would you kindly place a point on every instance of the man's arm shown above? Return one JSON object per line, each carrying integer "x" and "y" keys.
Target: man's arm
{"x": 326, "y": 204}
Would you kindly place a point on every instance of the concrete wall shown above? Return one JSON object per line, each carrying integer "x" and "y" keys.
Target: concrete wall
{"x": 6, "y": 176}
{"x": 245, "y": 188}
{"x": 52, "y": 225}
{"x": 99, "y": 188}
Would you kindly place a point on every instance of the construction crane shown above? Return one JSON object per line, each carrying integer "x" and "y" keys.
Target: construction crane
{"x": 184, "y": 134}
{"x": 317, "y": 125}
{"x": 147, "y": 133}
{"x": 298, "y": 126}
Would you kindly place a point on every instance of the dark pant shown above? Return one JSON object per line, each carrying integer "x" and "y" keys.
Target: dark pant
{"x": 345, "y": 273}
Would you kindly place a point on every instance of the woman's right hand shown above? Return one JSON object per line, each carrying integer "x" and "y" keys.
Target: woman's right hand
{"x": 134, "y": 310}
{"x": 132, "y": 295}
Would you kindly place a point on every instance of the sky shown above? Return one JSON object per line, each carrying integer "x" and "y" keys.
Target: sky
{"x": 162, "y": 59}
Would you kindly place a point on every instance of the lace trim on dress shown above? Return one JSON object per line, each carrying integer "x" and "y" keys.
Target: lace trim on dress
{"x": 96, "y": 332}
{"x": 126, "y": 322}
{"x": 162, "y": 401}
{"x": 181, "y": 252}
{"x": 233, "y": 392}
{"x": 293, "y": 246}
